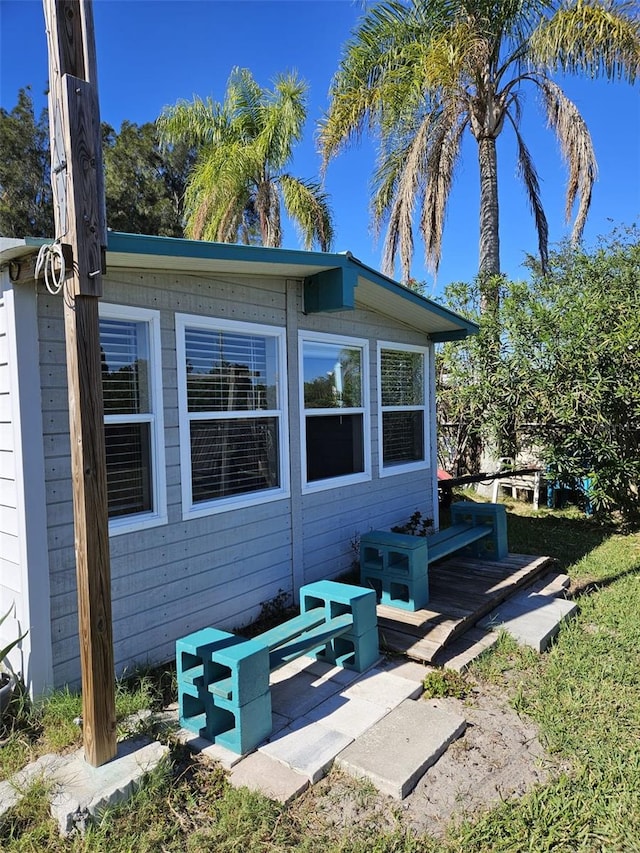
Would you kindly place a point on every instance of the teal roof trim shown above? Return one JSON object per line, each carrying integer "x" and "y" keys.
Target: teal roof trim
{"x": 470, "y": 328}
{"x": 176, "y": 247}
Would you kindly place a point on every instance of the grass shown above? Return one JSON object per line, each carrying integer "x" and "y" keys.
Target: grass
{"x": 584, "y": 694}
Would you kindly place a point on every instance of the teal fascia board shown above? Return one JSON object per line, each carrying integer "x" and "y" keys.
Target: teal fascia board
{"x": 468, "y": 326}
{"x": 330, "y": 290}
{"x": 177, "y": 247}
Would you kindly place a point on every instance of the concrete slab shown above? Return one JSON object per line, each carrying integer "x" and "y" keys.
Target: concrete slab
{"x": 463, "y": 651}
{"x": 351, "y": 716}
{"x": 82, "y": 791}
{"x": 396, "y": 752}
{"x": 212, "y": 751}
{"x": 11, "y": 790}
{"x": 531, "y": 619}
{"x": 79, "y": 791}
{"x": 554, "y": 583}
{"x": 308, "y": 748}
{"x": 296, "y": 696}
{"x": 259, "y": 772}
{"x": 324, "y": 672}
{"x": 409, "y": 669}
{"x": 383, "y": 689}
{"x": 301, "y": 664}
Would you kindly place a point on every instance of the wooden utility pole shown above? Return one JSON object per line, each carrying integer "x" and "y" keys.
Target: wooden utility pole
{"x": 78, "y": 189}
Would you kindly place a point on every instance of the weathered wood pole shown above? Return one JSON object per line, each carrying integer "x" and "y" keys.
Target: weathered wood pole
{"x": 76, "y": 176}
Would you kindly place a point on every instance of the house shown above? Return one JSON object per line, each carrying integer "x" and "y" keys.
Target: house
{"x": 263, "y": 408}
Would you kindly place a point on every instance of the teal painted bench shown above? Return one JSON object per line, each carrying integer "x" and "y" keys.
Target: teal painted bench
{"x": 395, "y": 565}
{"x": 223, "y": 679}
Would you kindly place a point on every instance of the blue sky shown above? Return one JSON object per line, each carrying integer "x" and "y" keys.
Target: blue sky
{"x": 154, "y": 52}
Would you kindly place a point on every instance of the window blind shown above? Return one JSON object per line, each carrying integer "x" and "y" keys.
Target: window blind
{"x": 124, "y": 351}
{"x": 229, "y": 372}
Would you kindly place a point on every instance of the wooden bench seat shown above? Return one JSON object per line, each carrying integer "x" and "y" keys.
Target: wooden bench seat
{"x": 454, "y": 538}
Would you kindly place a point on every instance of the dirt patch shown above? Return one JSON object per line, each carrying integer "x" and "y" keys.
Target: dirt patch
{"x": 498, "y": 757}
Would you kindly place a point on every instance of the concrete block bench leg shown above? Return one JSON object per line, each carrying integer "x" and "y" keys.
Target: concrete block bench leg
{"x": 223, "y": 688}
{"x": 357, "y": 648}
{"x": 494, "y": 546}
{"x": 395, "y": 566}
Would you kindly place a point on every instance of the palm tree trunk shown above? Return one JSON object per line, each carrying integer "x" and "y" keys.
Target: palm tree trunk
{"x": 489, "y": 266}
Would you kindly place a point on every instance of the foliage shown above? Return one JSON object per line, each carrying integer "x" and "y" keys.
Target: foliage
{"x": 420, "y": 74}
{"x": 5, "y": 651}
{"x": 144, "y": 183}
{"x": 442, "y": 683}
{"x": 26, "y": 206}
{"x": 416, "y": 526}
{"x": 239, "y": 181}
{"x": 565, "y": 378}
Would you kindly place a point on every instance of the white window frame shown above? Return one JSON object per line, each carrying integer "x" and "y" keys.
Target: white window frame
{"x": 155, "y": 419}
{"x": 418, "y": 465}
{"x": 349, "y": 479}
{"x": 247, "y": 499}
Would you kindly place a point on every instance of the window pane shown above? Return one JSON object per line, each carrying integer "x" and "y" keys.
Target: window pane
{"x": 402, "y": 437}
{"x": 402, "y": 375}
{"x": 332, "y": 376}
{"x": 233, "y": 456}
{"x": 125, "y": 366}
{"x": 229, "y": 372}
{"x": 128, "y": 468}
{"x": 335, "y": 446}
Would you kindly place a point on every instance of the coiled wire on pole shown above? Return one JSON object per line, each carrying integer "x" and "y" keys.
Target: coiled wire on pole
{"x": 51, "y": 260}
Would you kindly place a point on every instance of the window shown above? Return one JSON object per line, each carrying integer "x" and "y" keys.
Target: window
{"x": 133, "y": 426}
{"x": 334, "y": 410}
{"x": 232, "y": 399}
{"x": 403, "y": 412}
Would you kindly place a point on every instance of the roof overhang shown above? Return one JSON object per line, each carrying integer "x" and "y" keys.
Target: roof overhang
{"x": 331, "y": 281}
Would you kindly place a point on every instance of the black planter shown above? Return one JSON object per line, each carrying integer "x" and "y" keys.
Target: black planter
{"x": 7, "y": 683}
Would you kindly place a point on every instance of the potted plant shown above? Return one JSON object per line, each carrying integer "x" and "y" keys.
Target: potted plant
{"x": 7, "y": 679}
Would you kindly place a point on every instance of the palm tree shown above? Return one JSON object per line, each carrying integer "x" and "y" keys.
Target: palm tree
{"x": 238, "y": 184}
{"x": 422, "y": 72}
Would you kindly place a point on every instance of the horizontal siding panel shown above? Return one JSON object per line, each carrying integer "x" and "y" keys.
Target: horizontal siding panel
{"x": 8, "y": 493}
{"x": 4, "y": 376}
{"x": 7, "y": 441}
{"x": 7, "y": 465}
{"x": 9, "y": 520}
{"x": 155, "y": 643}
{"x": 11, "y": 577}
{"x": 9, "y": 547}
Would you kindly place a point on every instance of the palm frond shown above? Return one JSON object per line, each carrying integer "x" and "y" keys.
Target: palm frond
{"x": 531, "y": 183}
{"x": 308, "y": 206}
{"x": 443, "y": 156}
{"x": 195, "y": 122}
{"x": 243, "y": 102}
{"x": 284, "y": 112}
{"x": 577, "y": 149}
{"x": 596, "y": 38}
{"x": 399, "y": 192}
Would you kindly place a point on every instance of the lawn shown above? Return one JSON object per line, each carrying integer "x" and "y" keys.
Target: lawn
{"x": 584, "y": 695}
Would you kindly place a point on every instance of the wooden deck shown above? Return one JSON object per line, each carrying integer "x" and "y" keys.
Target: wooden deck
{"x": 461, "y": 591}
